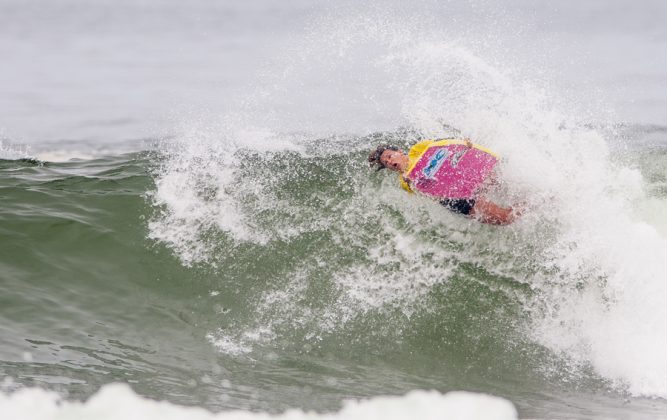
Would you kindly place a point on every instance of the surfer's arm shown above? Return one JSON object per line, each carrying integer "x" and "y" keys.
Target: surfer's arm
{"x": 405, "y": 184}
{"x": 488, "y": 212}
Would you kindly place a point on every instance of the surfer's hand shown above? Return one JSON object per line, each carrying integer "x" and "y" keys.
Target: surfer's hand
{"x": 489, "y": 212}
{"x": 468, "y": 142}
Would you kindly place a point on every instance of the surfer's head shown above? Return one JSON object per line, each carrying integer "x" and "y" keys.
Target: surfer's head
{"x": 391, "y": 157}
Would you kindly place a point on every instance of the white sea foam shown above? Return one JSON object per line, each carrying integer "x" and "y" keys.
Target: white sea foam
{"x": 117, "y": 401}
{"x": 603, "y": 299}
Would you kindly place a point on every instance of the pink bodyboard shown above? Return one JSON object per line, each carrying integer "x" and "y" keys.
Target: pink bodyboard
{"x": 451, "y": 171}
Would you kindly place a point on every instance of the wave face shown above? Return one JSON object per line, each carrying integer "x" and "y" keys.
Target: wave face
{"x": 253, "y": 261}
{"x": 581, "y": 275}
{"x": 200, "y": 281}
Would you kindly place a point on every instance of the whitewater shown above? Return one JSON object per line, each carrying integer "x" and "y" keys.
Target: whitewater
{"x": 222, "y": 247}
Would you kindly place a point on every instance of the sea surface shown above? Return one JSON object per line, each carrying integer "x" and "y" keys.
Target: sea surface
{"x": 189, "y": 228}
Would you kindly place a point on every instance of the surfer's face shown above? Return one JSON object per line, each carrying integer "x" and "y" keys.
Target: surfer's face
{"x": 394, "y": 160}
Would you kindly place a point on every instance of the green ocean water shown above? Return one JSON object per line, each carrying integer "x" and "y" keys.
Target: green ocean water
{"x": 313, "y": 281}
{"x": 186, "y": 207}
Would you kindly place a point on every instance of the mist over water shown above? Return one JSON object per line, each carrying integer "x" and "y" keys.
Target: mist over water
{"x": 109, "y": 72}
{"x": 255, "y": 226}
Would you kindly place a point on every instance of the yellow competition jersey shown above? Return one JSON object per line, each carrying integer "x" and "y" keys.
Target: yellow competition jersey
{"x": 414, "y": 154}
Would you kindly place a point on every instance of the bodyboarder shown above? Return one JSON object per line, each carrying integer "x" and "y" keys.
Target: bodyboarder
{"x": 422, "y": 169}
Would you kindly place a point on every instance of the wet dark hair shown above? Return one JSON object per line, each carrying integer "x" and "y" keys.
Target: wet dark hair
{"x": 374, "y": 156}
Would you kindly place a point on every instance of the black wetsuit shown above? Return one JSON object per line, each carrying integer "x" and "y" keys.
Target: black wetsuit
{"x": 461, "y": 205}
